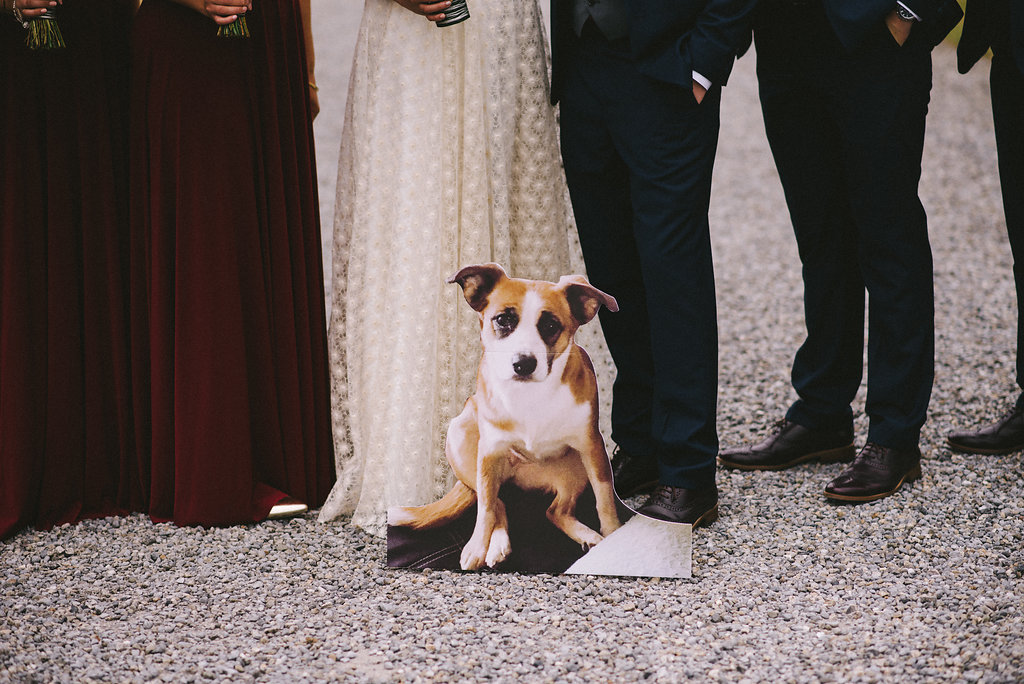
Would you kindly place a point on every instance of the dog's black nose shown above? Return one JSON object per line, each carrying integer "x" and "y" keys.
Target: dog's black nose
{"x": 524, "y": 366}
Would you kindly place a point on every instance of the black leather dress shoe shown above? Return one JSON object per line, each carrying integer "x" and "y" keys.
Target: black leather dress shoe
{"x": 674, "y": 504}
{"x": 791, "y": 444}
{"x": 1002, "y": 437}
{"x": 632, "y": 474}
{"x": 875, "y": 473}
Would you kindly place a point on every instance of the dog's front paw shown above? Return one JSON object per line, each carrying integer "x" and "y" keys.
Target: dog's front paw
{"x": 588, "y": 537}
{"x": 499, "y": 548}
{"x": 473, "y": 555}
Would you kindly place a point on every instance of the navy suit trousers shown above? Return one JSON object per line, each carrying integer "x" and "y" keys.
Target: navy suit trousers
{"x": 847, "y": 133}
{"x": 1007, "y": 85}
{"x": 638, "y": 159}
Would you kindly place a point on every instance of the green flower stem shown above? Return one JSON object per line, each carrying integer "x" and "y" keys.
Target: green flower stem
{"x": 44, "y": 33}
{"x": 236, "y": 29}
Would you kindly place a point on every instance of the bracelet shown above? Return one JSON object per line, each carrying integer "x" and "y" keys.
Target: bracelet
{"x": 314, "y": 86}
{"x": 18, "y": 15}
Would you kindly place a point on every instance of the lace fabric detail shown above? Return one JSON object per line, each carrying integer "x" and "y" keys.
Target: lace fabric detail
{"x": 449, "y": 157}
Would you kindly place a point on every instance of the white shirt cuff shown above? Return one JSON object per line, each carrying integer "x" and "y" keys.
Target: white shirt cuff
{"x": 703, "y": 81}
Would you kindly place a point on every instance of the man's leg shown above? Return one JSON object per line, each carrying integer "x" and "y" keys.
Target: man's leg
{"x": 884, "y": 102}
{"x": 599, "y": 187}
{"x": 1007, "y": 86}
{"x": 796, "y": 57}
{"x": 669, "y": 145}
{"x": 800, "y": 122}
{"x": 882, "y": 98}
{"x": 667, "y": 142}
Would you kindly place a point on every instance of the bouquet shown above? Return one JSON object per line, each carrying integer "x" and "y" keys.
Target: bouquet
{"x": 44, "y": 32}
{"x": 236, "y": 29}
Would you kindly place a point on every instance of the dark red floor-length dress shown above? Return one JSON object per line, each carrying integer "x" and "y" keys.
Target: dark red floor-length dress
{"x": 66, "y": 447}
{"x": 228, "y": 323}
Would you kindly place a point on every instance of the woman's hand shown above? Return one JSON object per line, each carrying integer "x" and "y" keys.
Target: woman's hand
{"x": 314, "y": 99}
{"x": 225, "y": 12}
{"x": 30, "y": 9}
{"x": 433, "y": 11}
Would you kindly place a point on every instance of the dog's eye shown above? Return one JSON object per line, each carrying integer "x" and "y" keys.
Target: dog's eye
{"x": 549, "y": 327}
{"x": 505, "y": 322}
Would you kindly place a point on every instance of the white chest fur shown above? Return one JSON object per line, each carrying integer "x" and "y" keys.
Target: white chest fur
{"x": 538, "y": 420}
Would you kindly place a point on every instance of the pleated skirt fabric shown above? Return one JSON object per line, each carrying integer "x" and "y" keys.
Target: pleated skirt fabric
{"x": 66, "y": 429}
{"x": 227, "y": 310}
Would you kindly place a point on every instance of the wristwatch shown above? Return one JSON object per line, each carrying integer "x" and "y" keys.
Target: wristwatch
{"x": 904, "y": 13}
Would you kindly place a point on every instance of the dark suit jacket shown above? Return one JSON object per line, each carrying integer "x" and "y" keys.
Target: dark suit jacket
{"x": 669, "y": 39}
{"x": 983, "y": 26}
{"x": 854, "y": 19}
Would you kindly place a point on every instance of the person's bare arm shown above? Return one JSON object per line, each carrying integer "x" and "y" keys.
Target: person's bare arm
{"x": 307, "y": 32}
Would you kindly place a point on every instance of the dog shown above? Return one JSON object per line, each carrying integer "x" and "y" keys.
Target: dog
{"x": 534, "y": 417}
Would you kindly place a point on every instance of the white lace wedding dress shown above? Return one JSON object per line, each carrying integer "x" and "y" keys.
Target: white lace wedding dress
{"x": 449, "y": 157}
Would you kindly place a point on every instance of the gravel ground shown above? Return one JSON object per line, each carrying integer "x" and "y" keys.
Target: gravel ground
{"x": 922, "y": 586}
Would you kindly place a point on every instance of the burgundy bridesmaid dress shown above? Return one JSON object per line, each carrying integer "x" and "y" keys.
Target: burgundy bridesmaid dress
{"x": 227, "y": 313}
{"x": 66, "y": 444}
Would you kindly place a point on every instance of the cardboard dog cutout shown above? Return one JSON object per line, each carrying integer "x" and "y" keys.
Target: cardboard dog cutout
{"x": 534, "y": 489}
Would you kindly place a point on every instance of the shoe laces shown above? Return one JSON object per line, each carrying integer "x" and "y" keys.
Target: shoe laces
{"x": 662, "y": 493}
{"x": 872, "y": 453}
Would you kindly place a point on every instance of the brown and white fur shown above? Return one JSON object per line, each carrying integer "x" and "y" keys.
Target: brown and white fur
{"x": 534, "y": 417}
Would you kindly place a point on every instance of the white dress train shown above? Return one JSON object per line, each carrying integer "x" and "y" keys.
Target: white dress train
{"x": 449, "y": 157}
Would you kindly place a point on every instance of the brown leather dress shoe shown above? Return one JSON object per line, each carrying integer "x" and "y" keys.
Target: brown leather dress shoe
{"x": 698, "y": 507}
{"x": 876, "y": 472}
{"x": 791, "y": 444}
{"x": 1002, "y": 437}
{"x": 632, "y": 474}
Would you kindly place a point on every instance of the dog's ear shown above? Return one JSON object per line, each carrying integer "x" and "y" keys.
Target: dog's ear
{"x": 584, "y": 299}
{"x": 477, "y": 283}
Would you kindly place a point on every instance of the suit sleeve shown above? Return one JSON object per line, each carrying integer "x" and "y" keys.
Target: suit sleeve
{"x": 938, "y": 17}
{"x": 853, "y": 20}
{"x": 927, "y": 10}
{"x": 975, "y": 39}
{"x": 670, "y": 40}
{"x": 722, "y": 34}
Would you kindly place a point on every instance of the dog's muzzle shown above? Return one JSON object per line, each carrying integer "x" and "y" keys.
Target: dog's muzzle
{"x": 524, "y": 365}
